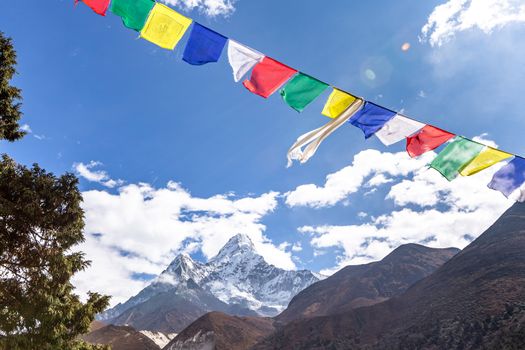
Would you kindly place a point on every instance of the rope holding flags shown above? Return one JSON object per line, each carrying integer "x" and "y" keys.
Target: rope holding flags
{"x": 165, "y": 27}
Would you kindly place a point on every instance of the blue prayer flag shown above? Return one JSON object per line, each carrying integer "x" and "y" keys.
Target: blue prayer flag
{"x": 510, "y": 177}
{"x": 204, "y": 45}
{"x": 371, "y": 118}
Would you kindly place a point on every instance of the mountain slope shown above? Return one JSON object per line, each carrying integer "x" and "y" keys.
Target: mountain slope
{"x": 474, "y": 301}
{"x": 173, "y": 310}
{"x": 120, "y": 338}
{"x": 219, "y": 331}
{"x": 237, "y": 281}
{"x": 363, "y": 285}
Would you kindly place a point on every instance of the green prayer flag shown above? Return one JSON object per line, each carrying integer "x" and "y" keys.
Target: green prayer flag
{"x": 134, "y": 13}
{"x": 302, "y": 90}
{"x": 455, "y": 156}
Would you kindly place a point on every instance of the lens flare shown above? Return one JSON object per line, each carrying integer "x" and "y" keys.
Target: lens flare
{"x": 370, "y": 74}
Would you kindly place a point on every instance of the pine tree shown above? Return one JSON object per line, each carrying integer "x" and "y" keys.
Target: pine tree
{"x": 10, "y": 96}
{"x": 41, "y": 222}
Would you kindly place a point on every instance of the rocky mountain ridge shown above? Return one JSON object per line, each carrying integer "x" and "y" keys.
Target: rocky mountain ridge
{"x": 476, "y": 300}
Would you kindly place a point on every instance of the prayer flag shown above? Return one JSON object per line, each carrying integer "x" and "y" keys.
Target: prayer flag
{"x": 204, "y": 45}
{"x": 165, "y": 27}
{"x": 134, "y": 13}
{"x": 302, "y": 90}
{"x": 487, "y": 158}
{"x": 510, "y": 177}
{"x": 457, "y": 153}
{"x": 268, "y": 76}
{"x": 397, "y": 129}
{"x": 337, "y": 103}
{"x": 426, "y": 139}
{"x": 371, "y": 118}
{"x": 98, "y": 6}
{"x": 242, "y": 59}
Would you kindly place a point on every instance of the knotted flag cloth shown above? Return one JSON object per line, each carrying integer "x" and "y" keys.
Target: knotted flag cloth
{"x": 98, "y": 6}
{"x": 510, "y": 177}
{"x": 242, "y": 59}
{"x": 337, "y": 103}
{"x": 306, "y": 145}
{"x": 487, "y": 158}
{"x": 455, "y": 156}
{"x": 204, "y": 45}
{"x": 268, "y": 76}
{"x": 165, "y": 27}
{"x": 426, "y": 139}
{"x": 397, "y": 129}
{"x": 371, "y": 118}
{"x": 301, "y": 90}
{"x": 134, "y": 13}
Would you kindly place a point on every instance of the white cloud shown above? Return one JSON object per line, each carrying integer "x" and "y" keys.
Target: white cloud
{"x": 483, "y": 139}
{"x": 349, "y": 180}
{"x": 449, "y": 213}
{"x": 455, "y": 16}
{"x": 100, "y": 176}
{"x": 297, "y": 247}
{"x": 140, "y": 230}
{"x": 26, "y": 128}
{"x": 211, "y": 8}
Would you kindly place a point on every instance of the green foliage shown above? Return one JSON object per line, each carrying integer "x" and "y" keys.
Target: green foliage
{"x": 41, "y": 221}
{"x": 10, "y": 96}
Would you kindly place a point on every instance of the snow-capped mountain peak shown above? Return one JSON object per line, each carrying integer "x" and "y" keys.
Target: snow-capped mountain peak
{"x": 237, "y": 276}
{"x": 237, "y": 245}
{"x": 182, "y": 269}
{"x": 181, "y": 264}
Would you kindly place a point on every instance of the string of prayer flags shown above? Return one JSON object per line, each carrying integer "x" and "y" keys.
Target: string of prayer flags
{"x": 313, "y": 139}
{"x": 397, "y": 129}
{"x": 371, "y": 118}
{"x": 98, "y": 6}
{"x": 301, "y": 90}
{"x": 268, "y": 76}
{"x": 165, "y": 27}
{"x": 204, "y": 45}
{"x": 426, "y": 139}
{"x": 487, "y": 158}
{"x": 134, "y": 13}
{"x": 242, "y": 59}
{"x": 337, "y": 103}
{"x": 455, "y": 156}
{"x": 510, "y": 177}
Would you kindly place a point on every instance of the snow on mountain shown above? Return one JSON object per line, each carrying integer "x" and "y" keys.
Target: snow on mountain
{"x": 159, "y": 338}
{"x": 237, "y": 276}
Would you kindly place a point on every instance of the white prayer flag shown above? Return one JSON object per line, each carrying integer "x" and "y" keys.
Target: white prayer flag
{"x": 242, "y": 59}
{"x": 397, "y": 128}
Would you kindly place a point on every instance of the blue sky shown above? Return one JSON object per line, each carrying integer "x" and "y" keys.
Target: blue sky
{"x": 112, "y": 107}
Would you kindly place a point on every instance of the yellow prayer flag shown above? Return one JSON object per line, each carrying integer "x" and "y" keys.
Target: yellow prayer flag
{"x": 337, "y": 103}
{"x": 165, "y": 27}
{"x": 488, "y": 157}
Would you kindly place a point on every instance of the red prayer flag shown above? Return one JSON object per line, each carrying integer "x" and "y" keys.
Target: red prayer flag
{"x": 98, "y": 6}
{"x": 427, "y": 139}
{"x": 268, "y": 76}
